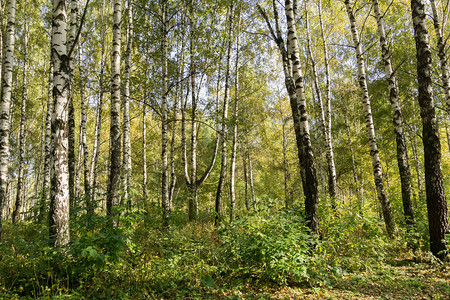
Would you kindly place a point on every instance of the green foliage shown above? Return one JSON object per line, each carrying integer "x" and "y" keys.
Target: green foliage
{"x": 276, "y": 246}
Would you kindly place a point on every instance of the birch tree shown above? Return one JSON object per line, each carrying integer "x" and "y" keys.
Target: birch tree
{"x": 20, "y": 195}
{"x": 388, "y": 215}
{"x": 434, "y": 182}
{"x": 442, "y": 53}
{"x": 115, "y": 134}
{"x": 223, "y": 129}
{"x": 7, "y": 77}
{"x": 402, "y": 151}
{"x": 126, "y": 109}
{"x": 59, "y": 199}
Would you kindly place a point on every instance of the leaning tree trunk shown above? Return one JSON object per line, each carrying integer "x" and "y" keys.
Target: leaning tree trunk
{"x": 59, "y": 199}
{"x": 20, "y": 195}
{"x": 115, "y": 143}
{"x": 388, "y": 215}
{"x": 434, "y": 182}
{"x": 441, "y": 44}
{"x": 8, "y": 61}
{"x": 126, "y": 180}
{"x": 402, "y": 151}
{"x": 223, "y": 129}
{"x": 310, "y": 186}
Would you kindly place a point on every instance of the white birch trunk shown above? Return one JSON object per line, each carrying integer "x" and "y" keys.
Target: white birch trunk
{"x": 235, "y": 125}
{"x": 20, "y": 195}
{"x": 223, "y": 129}
{"x": 98, "y": 119}
{"x": 7, "y": 77}
{"x": 402, "y": 151}
{"x": 164, "y": 145}
{"x": 388, "y": 215}
{"x": 126, "y": 165}
{"x": 310, "y": 180}
{"x": 59, "y": 200}
{"x": 115, "y": 134}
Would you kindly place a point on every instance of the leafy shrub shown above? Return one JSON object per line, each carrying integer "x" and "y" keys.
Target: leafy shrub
{"x": 274, "y": 245}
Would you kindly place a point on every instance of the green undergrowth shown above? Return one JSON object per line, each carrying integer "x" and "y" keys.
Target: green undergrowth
{"x": 137, "y": 258}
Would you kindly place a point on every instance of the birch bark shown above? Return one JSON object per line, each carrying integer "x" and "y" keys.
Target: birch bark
{"x": 20, "y": 195}
{"x": 223, "y": 129}
{"x": 115, "y": 134}
{"x": 402, "y": 151}
{"x": 388, "y": 215}
{"x": 5, "y": 105}
{"x": 126, "y": 165}
{"x": 59, "y": 199}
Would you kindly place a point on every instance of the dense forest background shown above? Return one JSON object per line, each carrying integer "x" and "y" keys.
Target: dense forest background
{"x": 225, "y": 148}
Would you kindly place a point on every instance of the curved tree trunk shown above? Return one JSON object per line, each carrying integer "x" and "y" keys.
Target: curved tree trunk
{"x": 434, "y": 182}
{"x": 388, "y": 215}
{"x": 402, "y": 151}
{"x": 115, "y": 134}
{"x": 59, "y": 199}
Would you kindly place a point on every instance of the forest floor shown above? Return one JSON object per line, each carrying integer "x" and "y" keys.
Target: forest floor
{"x": 402, "y": 279}
{"x": 263, "y": 255}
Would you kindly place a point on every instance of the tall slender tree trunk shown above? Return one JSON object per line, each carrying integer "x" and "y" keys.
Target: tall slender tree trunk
{"x": 310, "y": 186}
{"x": 20, "y": 195}
{"x": 441, "y": 44}
{"x": 330, "y": 161}
{"x": 38, "y": 167}
{"x": 287, "y": 175}
{"x": 355, "y": 173}
{"x": 164, "y": 121}
{"x": 434, "y": 182}
{"x": 144, "y": 153}
{"x": 235, "y": 125}
{"x": 83, "y": 139}
{"x": 8, "y": 61}
{"x": 252, "y": 186}
{"x": 223, "y": 129}
{"x": 71, "y": 122}
{"x": 246, "y": 200}
{"x": 48, "y": 146}
{"x": 402, "y": 151}
{"x": 59, "y": 199}
{"x": 192, "y": 180}
{"x": 115, "y": 134}
{"x": 332, "y": 181}
{"x": 388, "y": 215}
{"x": 126, "y": 166}
{"x": 98, "y": 119}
